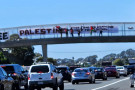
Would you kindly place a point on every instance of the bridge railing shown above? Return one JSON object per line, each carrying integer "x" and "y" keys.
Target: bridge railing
{"x": 124, "y": 29}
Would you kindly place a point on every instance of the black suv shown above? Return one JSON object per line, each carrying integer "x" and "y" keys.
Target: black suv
{"x": 130, "y": 69}
{"x": 100, "y": 73}
{"x": 17, "y": 73}
{"x": 65, "y": 72}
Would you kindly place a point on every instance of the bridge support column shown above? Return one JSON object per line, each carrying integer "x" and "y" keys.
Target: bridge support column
{"x": 44, "y": 50}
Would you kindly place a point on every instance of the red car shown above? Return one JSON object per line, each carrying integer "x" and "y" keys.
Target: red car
{"x": 112, "y": 72}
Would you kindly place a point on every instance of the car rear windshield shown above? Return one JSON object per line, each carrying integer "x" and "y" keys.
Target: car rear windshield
{"x": 62, "y": 69}
{"x": 8, "y": 69}
{"x": 81, "y": 70}
{"x": 98, "y": 69}
{"x": 110, "y": 69}
{"x": 120, "y": 67}
{"x": 43, "y": 69}
{"x": 130, "y": 66}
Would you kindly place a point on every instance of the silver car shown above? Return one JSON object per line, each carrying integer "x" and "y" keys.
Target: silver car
{"x": 83, "y": 75}
{"x": 122, "y": 70}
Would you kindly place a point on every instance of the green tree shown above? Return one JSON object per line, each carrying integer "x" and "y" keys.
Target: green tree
{"x": 3, "y": 59}
{"x": 23, "y": 55}
{"x": 118, "y": 62}
{"x": 51, "y": 60}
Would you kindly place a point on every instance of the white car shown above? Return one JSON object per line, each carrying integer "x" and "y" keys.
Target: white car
{"x": 44, "y": 75}
{"x": 122, "y": 70}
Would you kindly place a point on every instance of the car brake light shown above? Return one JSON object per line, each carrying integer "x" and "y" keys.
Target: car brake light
{"x": 66, "y": 71}
{"x": 52, "y": 76}
{"x": 73, "y": 74}
{"x": 3, "y": 66}
{"x": 14, "y": 74}
{"x": 87, "y": 73}
{"x": 40, "y": 72}
{"x": 28, "y": 77}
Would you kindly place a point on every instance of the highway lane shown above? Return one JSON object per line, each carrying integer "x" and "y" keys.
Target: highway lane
{"x": 122, "y": 83}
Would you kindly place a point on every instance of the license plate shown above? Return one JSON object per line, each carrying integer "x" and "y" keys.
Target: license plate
{"x": 109, "y": 72}
{"x": 40, "y": 82}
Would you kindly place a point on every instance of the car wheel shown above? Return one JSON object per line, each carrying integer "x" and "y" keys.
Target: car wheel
{"x": 90, "y": 81}
{"x": 106, "y": 78}
{"x": 73, "y": 82}
{"x": 30, "y": 88}
{"x": 39, "y": 88}
{"x": 2, "y": 87}
{"x": 118, "y": 76}
{"x": 17, "y": 87}
{"x": 132, "y": 85}
{"x": 13, "y": 87}
{"x": 94, "y": 80}
{"x": 69, "y": 80}
{"x": 26, "y": 87}
{"x": 55, "y": 86}
{"x": 61, "y": 87}
{"x": 77, "y": 82}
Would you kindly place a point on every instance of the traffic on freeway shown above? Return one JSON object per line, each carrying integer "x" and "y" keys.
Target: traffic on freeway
{"x": 46, "y": 76}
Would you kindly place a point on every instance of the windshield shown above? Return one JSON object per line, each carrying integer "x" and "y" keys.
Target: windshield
{"x": 120, "y": 67}
{"x": 81, "y": 70}
{"x": 62, "y": 69}
{"x": 8, "y": 69}
{"x": 110, "y": 68}
{"x": 98, "y": 69}
{"x": 43, "y": 69}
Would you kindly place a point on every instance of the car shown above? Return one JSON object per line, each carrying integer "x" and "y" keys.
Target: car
{"x": 112, "y": 72}
{"x": 65, "y": 71}
{"x": 130, "y": 69}
{"x": 44, "y": 75}
{"x": 17, "y": 73}
{"x": 122, "y": 70}
{"x": 82, "y": 75}
{"x": 73, "y": 67}
{"x": 100, "y": 73}
{"x": 6, "y": 81}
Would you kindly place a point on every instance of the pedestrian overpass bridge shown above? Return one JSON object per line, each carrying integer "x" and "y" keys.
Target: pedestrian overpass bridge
{"x": 112, "y": 32}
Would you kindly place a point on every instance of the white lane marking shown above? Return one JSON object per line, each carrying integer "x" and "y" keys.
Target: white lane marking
{"x": 110, "y": 84}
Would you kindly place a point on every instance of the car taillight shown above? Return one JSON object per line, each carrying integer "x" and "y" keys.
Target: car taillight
{"x": 66, "y": 71}
{"x": 14, "y": 74}
{"x": 52, "y": 76}
{"x": 28, "y": 77}
{"x": 40, "y": 72}
{"x": 73, "y": 74}
{"x": 87, "y": 73}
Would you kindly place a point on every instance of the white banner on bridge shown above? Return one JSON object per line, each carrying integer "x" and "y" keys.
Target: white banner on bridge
{"x": 58, "y": 30}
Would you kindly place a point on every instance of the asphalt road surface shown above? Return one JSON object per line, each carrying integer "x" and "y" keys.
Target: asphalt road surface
{"x": 122, "y": 83}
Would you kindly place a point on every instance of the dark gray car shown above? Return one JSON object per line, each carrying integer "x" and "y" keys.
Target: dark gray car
{"x": 6, "y": 82}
